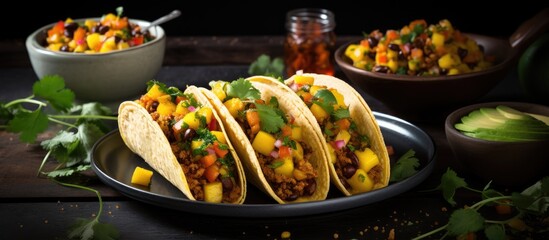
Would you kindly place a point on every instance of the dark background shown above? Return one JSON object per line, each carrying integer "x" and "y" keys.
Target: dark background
{"x": 207, "y": 18}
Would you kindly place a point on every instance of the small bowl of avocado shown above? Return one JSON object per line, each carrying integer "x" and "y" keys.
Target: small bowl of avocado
{"x": 503, "y": 142}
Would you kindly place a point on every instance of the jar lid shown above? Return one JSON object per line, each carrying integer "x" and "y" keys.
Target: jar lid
{"x": 310, "y": 19}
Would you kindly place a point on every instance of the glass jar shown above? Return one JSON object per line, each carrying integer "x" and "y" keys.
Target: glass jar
{"x": 310, "y": 41}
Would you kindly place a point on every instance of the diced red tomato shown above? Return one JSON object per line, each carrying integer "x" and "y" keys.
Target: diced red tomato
{"x": 58, "y": 28}
{"x": 284, "y": 151}
{"x": 136, "y": 41}
{"x": 218, "y": 151}
{"x": 208, "y": 160}
{"x": 211, "y": 173}
{"x": 212, "y": 126}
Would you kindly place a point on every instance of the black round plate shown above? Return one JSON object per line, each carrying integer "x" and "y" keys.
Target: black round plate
{"x": 114, "y": 163}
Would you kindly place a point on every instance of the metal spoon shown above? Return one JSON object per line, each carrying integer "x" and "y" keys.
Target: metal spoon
{"x": 170, "y": 16}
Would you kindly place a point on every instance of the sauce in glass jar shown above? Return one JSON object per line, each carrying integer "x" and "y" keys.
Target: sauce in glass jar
{"x": 310, "y": 41}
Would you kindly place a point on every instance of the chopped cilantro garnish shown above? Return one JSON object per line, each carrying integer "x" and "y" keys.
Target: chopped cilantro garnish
{"x": 271, "y": 119}
{"x": 243, "y": 89}
{"x": 341, "y": 114}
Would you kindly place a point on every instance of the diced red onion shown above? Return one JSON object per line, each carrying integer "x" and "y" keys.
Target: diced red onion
{"x": 294, "y": 87}
{"x": 274, "y": 154}
{"x": 278, "y": 143}
{"x": 178, "y": 124}
{"x": 340, "y": 144}
{"x": 191, "y": 108}
{"x": 210, "y": 151}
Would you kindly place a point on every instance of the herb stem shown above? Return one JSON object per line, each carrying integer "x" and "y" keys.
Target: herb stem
{"x": 430, "y": 233}
{"x": 62, "y": 123}
{"x": 26, "y": 100}
{"x": 493, "y": 199}
{"x": 84, "y": 116}
{"x": 43, "y": 162}
{"x": 88, "y": 189}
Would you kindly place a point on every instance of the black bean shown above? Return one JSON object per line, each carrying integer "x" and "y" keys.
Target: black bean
{"x": 189, "y": 134}
{"x": 64, "y": 48}
{"x": 72, "y": 26}
{"x": 227, "y": 183}
{"x": 103, "y": 29}
{"x": 372, "y": 41}
{"x": 372, "y": 54}
{"x": 401, "y": 55}
{"x": 154, "y": 105}
{"x": 68, "y": 33}
{"x": 310, "y": 188}
{"x": 462, "y": 52}
{"x": 419, "y": 43}
{"x": 394, "y": 47}
{"x": 381, "y": 69}
{"x": 354, "y": 159}
{"x": 292, "y": 197}
{"x": 117, "y": 39}
{"x": 349, "y": 170}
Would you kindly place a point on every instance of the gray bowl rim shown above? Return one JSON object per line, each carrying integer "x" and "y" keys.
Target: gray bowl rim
{"x": 32, "y": 43}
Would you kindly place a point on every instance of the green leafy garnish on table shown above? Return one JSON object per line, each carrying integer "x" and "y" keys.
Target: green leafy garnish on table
{"x": 406, "y": 166}
{"x": 71, "y": 146}
{"x": 530, "y": 203}
{"x": 263, "y": 65}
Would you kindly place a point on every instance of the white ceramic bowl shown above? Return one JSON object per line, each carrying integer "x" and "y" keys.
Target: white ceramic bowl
{"x": 102, "y": 77}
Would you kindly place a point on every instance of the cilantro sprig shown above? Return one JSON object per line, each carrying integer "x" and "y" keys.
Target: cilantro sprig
{"x": 71, "y": 146}
{"x": 263, "y": 65}
{"x": 533, "y": 201}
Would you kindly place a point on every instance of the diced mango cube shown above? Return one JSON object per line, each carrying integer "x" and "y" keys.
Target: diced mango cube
{"x": 165, "y": 105}
{"x": 297, "y": 133}
{"x": 315, "y": 88}
{"x": 319, "y": 113}
{"x": 287, "y": 167}
{"x": 213, "y": 192}
{"x": 332, "y": 154}
{"x": 449, "y": 60}
{"x": 304, "y": 80}
{"x": 298, "y": 152}
{"x": 343, "y": 135}
{"x": 220, "y": 137}
{"x": 437, "y": 39}
{"x": 360, "y": 182}
{"x": 367, "y": 159}
{"x": 205, "y": 112}
{"x": 196, "y": 144}
{"x": 234, "y": 105}
{"x": 264, "y": 143}
{"x": 141, "y": 176}
{"x": 155, "y": 92}
{"x": 191, "y": 120}
{"x": 339, "y": 97}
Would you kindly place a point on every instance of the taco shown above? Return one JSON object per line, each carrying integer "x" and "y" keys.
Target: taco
{"x": 281, "y": 152}
{"x": 358, "y": 157}
{"x": 180, "y": 135}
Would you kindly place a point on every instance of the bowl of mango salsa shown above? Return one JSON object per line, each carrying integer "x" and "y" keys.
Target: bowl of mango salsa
{"x": 104, "y": 59}
{"x": 424, "y": 68}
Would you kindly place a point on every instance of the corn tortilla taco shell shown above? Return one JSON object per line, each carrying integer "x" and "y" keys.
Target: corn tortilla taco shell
{"x": 143, "y": 136}
{"x": 359, "y": 111}
{"x": 248, "y": 155}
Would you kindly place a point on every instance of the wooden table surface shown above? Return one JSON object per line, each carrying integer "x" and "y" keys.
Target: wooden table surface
{"x": 37, "y": 208}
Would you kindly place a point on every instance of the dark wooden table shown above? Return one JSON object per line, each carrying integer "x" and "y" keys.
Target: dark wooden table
{"x": 37, "y": 208}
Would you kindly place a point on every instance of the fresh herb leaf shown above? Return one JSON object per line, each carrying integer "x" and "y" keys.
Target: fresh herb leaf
{"x": 270, "y": 118}
{"x": 264, "y": 66}
{"x": 52, "y": 88}
{"x": 405, "y": 166}
{"x": 243, "y": 89}
{"x": 28, "y": 124}
{"x": 464, "y": 221}
{"x": 529, "y": 204}
{"x": 341, "y": 113}
{"x": 71, "y": 147}
{"x": 276, "y": 164}
{"x": 495, "y": 232}
{"x": 325, "y": 99}
{"x": 449, "y": 183}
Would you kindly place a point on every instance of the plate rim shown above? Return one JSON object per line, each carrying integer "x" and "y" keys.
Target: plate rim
{"x": 260, "y": 210}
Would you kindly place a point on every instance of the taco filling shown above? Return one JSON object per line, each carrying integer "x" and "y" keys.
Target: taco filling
{"x": 196, "y": 140}
{"x": 283, "y": 156}
{"x": 357, "y": 166}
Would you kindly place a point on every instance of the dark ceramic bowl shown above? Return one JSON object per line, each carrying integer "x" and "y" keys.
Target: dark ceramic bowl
{"x": 511, "y": 164}
{"x": 416, "y": 94}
